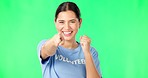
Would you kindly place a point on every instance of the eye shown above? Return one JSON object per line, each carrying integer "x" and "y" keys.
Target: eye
{"x": 72, "y": 21}
{"x": 61, "y": 22}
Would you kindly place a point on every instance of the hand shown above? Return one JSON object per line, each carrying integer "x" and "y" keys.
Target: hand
{"x": 58, "y": 39}
{"x": 49, "y": 48}
{"x": 85, "y": 43}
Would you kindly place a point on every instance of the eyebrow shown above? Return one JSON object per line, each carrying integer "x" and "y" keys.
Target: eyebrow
{"x": 73, "y": 20}
{"x": 60, "y": 20}
{"x": 69, "y": 20}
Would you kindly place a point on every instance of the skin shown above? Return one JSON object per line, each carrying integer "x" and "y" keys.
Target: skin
{"x": 67, "y": 22}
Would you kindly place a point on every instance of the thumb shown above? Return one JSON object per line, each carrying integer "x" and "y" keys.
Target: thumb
{"x": 62, "y": 39}
{"x": 62, "y": 42}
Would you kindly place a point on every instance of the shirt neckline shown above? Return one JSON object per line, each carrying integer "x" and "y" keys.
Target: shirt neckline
{"x": 77, "y": 49}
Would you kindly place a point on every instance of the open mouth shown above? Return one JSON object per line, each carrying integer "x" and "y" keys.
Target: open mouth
{"x": 67, "y": 33}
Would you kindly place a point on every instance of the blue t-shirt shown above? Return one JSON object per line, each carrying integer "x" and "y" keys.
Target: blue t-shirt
{"x": 66, "y": 63}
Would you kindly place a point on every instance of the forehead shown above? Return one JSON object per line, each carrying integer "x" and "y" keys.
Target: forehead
{"x": 66, "y": 15}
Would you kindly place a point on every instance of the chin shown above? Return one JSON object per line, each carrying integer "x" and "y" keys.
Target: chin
{"x": 67, "y": 38}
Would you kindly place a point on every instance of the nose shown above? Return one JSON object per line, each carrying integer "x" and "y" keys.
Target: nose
{"x": 67, "y": 26}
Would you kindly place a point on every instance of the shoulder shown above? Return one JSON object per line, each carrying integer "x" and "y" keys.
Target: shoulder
{"x": 41, "y": 43}
{"x": 93, "y": 51}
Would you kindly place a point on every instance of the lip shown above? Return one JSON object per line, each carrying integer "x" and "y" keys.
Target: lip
{"x": 67, "y": 33}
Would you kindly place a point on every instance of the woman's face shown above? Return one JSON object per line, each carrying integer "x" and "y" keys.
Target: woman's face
{"x": 67, "y": 24}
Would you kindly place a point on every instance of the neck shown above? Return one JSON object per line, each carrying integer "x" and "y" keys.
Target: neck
{"x": 70, "y": 44}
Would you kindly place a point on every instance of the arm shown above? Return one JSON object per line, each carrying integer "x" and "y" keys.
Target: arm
{"x": 91, "y": 71}
{"x": 49, "y": 48}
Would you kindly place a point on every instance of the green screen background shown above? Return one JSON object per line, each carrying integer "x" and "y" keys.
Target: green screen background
{"x": 118, "y": 29}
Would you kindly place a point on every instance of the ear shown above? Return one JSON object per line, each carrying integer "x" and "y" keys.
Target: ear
{"x": 80, "y": 22}
{"x": 55, "y": 20}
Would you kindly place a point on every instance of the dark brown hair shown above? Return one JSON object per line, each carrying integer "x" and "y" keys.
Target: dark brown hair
{"x": 65, "y": 6}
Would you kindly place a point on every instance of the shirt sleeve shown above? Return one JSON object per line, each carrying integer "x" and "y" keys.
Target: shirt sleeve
{"x": 41, "y": 43}
{"x": 96, "y": 60}
{"x": 45, "y": 62}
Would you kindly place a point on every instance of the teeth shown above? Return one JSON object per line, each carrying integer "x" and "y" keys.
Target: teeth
{"x": 67, "y": 32}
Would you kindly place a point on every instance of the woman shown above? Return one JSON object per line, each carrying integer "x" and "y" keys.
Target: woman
{"x": 62, "y": 56}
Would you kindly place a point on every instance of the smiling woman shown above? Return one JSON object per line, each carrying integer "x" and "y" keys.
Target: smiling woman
{"x": 68, "y": 24}
{"x": 62, "y": 56}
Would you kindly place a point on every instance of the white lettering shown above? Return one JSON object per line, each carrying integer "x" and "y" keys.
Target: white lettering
{"x": 64, "y": 59}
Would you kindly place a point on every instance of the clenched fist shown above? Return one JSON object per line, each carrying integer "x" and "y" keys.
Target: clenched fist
{"x": 85, "y": 43}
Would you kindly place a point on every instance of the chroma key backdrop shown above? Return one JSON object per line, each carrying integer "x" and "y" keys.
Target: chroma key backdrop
{"x": 118, "y": 30}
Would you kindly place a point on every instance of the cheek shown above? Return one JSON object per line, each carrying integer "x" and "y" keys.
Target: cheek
{"x": 76, "y": 27}
{"x": 59, "y": 27}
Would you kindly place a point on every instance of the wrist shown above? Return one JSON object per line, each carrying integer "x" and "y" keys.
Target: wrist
{"x": 87, "y": 53}
{"x": 43, "y": 53}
